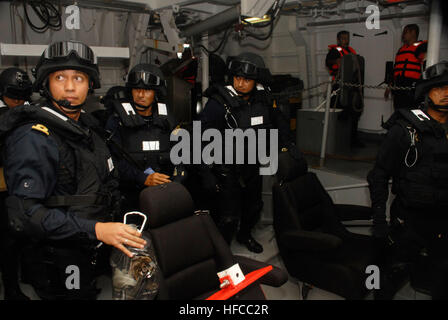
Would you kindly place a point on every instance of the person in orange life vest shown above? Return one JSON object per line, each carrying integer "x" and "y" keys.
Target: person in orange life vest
{"x": 407, "y": 67}
{"x": 333, "y": 62}
{"x": 337, "y": 51}
{"x": 190, "y": 71}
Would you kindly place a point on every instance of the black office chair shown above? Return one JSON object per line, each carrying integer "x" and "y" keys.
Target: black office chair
{"x": 190, "y": 249}
{"x": 315, "y": 246}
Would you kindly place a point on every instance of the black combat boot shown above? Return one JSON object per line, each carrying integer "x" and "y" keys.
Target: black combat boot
{"x": 251, "y": 244}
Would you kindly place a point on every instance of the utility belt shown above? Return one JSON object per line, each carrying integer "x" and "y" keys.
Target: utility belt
{"x": 152, "y": 159}
{"x": 414, "y": 196}
{"x": 239, "y": 172}
{"x": 108, "y": 201}
{"x": 99, "y": 206}
{"x": 97, "y": 199}
{"x": 420, "y": 226}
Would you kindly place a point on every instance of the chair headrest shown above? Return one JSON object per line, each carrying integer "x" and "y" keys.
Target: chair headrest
{"x": 166, "y": 203}
{"x": 290, "y": 168}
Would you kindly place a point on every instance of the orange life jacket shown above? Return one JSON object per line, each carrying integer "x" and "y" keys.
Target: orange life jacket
{"x": 342, "y": 51}
{"x": 407, "y": 64}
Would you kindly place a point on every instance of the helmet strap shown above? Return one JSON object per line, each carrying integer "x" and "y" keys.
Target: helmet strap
{"x": 145, "y": 107}
{"x": 62, "y": 103}
{"x": 141, "y": 106}
{"x": 431, "y": 104}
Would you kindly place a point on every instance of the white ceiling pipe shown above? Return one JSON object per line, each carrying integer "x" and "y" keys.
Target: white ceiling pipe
{"x": 434, "y": 34}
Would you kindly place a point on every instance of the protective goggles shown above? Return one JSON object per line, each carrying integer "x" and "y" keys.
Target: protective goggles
{"x": 65, "y": 48}
{"x": 244, "y": 67}
{"x": 148, "y": 78}
{"x": 435, "y": 70}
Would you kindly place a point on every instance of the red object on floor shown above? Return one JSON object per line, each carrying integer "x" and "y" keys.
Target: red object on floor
{"x": 231, "y": 290}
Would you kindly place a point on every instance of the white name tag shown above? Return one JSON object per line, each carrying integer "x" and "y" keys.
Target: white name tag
{"x": 110, "y": 163}
{"x": 255, "y": 121}
{"x": 162, "y": 109}
{"x": 150, "y": 145}
{"x": 420, "y": 115}
{"x": 232, "y": 91}
{"x": 128, "y": 108}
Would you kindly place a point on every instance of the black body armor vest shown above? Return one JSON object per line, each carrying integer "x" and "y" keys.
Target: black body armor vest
{"x": 87, "y": 183}
{"x": 146, "y": 140}
{"x": 423, "y": 179}
{"x": 241, "y": 114}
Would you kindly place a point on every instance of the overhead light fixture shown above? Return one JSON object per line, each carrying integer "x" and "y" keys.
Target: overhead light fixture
{"x": 252, "y": 20}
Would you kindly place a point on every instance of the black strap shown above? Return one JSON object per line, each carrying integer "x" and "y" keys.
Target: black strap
{"x": 69, "y": 200}
{"x": 35, "y": 223}
{"x": 107, "y": 137}
{"x": 77, "y": 200}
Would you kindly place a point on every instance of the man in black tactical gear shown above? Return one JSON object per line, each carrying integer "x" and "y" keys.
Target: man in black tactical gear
{"x": 61, "y": 179}
{"x": 244, "y": 104}
{"x": 15, "y": 89}
{"x": 415, "y": 155}
{"x": 140, "y": 128}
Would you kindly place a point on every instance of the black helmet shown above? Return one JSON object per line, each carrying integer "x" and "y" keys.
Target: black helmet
{"x": 433, "y": 77}
{"x": 67, "y": 55}
{"x": 147, "y": 76}
{"x": 251, "y": 66}
{"x": 15, "y": 84}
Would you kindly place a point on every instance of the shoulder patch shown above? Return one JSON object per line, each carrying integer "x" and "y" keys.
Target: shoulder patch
{"x": 162, "y": 109}
{"x": 41, "y": 128}
{"x": 420, "y": 114}
{"x": 128, "y": 108}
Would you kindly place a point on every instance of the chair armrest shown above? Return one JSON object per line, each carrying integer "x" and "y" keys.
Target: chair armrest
{"x": 311, "y": 241}
{"x": 347, "y": 212}
{"x": 275, "y": 278}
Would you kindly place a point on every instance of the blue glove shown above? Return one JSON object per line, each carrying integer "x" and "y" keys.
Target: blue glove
{"x": 149, "y": 171}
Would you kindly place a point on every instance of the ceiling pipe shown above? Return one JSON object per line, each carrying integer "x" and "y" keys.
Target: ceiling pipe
{"x": 193, "y": 2}
{"x": 434, "y": 34}
{"x": 386, "y": 4}
{"x": 228, "y": 16}
{"x": 363, "y": 19}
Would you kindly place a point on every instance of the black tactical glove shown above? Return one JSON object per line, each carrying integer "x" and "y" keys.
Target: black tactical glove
{"x": 381, "y": 230}
{"x": 297, "y": 155}
{"x": 295, "y": 152}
